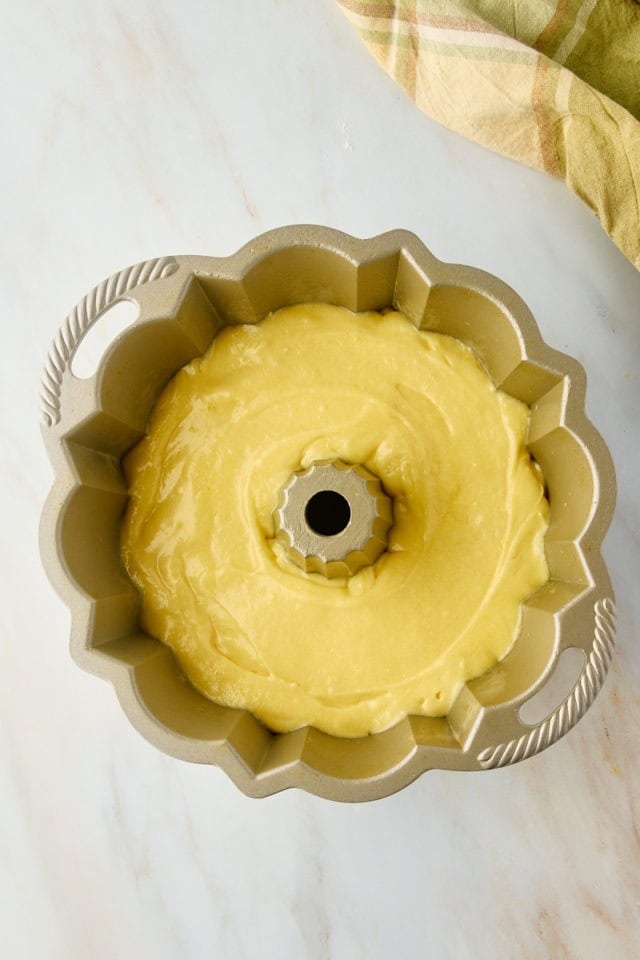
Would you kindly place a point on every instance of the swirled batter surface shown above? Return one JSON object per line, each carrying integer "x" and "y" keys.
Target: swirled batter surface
{"x": 351, "y": 657}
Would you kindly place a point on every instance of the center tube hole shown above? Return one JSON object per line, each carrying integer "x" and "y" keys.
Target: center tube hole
{"x": 327, "y": 513}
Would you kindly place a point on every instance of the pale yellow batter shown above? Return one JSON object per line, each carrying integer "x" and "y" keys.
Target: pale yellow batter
{"x": 250, "y": 629}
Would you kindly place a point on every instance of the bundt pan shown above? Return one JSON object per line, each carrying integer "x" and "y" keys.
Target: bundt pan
{"x": 89, "y": 425}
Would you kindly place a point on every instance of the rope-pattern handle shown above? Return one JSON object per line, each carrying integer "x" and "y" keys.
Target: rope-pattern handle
{"x": 83, "y": 316}
{"x": 574, "y": 706}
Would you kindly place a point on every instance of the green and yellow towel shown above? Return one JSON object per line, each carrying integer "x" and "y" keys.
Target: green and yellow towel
{"x": 555, "y": 85}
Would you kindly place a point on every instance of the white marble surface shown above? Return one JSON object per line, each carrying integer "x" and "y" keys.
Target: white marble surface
{"x": 136, "y": 128}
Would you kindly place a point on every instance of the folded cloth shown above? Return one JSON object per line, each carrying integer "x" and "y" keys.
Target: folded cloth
{"x": 555, "y": 85}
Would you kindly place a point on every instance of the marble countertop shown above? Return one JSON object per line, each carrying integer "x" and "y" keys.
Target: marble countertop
{"x": 136, "y": 129}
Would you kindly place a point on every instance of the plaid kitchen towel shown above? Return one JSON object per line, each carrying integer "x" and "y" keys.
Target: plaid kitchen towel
{"x": 555, "y": 85}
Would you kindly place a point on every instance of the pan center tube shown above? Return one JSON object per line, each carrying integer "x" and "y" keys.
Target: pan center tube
{"x": 333, "y": 518}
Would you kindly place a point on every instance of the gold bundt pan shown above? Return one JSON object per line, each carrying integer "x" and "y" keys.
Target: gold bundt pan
{"x": 90, "y": 424}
